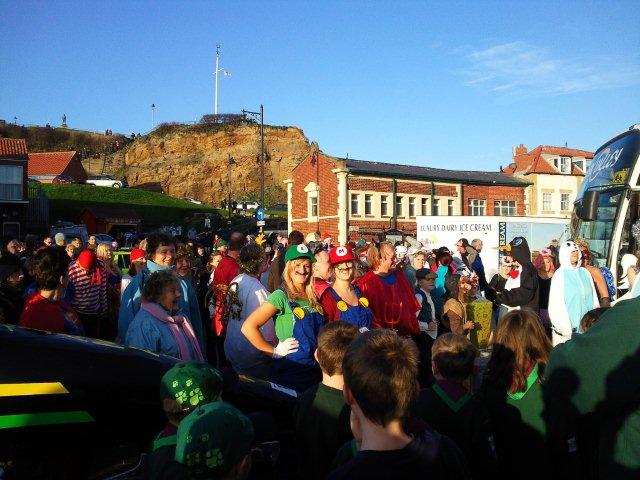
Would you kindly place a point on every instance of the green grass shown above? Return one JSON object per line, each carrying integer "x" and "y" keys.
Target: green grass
{"x": 155, "y": 209}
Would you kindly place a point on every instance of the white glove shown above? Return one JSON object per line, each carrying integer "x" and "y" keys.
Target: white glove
{"x": 284, "y": 348}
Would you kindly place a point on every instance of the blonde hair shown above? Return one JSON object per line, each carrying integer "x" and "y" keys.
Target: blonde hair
{"x": 101, "y": 251}
{"x": 375, "y": 254}
{"x": 287, "y": 284}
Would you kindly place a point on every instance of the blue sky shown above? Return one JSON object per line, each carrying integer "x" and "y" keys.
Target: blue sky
{"x": 444, "y": 84}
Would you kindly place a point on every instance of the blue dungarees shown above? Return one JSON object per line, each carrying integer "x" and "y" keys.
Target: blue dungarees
{"x": 299, "y": 370}
{"x": 358, "y": 316}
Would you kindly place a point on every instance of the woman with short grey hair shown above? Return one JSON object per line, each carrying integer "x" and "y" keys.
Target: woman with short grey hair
{"x": 160, "y": 326}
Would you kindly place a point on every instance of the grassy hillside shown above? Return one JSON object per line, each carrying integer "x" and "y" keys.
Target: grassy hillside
{"x": 50, "y": 139}
{"x": 155, "y": 209}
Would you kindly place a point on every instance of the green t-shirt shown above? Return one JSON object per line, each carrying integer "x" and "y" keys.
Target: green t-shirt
{"x": 284, "y": 318}
{"x": 321, "y": 419}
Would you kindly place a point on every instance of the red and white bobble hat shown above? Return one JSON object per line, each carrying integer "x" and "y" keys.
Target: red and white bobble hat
{"x": 341, "y": 254}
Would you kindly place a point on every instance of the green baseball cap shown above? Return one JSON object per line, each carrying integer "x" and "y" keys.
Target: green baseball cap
{"x": 212, "y": 439}
{"x": 299, "y": 251}
{"x": 189, "y": 384}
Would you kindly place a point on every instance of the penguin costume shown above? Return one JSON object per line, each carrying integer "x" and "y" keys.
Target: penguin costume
{"x": 521, "y": 289}
{"x": 572, "y": 294}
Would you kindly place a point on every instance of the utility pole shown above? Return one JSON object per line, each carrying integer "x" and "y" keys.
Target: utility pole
{"x": 231, "y": 161}
{"x": 215, "y": 73}
{"x": 215, "y": 102}
{"x": 261, "y": 114}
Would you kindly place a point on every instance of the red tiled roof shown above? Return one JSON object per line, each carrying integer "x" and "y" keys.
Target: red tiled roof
{"x": 534, "y": 162}
{"x": 13, "y": 148}
{"x": 49, "y": 163}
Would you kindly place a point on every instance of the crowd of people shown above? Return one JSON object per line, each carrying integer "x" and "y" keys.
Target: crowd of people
{"x": 379, "y": 342}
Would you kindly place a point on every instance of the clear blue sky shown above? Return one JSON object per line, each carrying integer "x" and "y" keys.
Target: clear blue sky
{"x": 443, "y": 84}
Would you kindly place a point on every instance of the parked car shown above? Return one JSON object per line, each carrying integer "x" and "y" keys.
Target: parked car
{"x": 105, "y": 181}
{"x": 193, "y": 200}
{"x": 70, "y": 231}
{"x": 247, "y": 205}
{"x": 104, "y": 238}
{"x": 58, "y": 179}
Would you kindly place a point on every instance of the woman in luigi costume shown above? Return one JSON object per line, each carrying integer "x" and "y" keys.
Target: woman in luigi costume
{"x": 342, "y": 300}
{"x": 512, "y": 392}
{"x": 298, "y": 318}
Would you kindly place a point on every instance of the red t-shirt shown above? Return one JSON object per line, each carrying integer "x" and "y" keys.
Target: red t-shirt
{"x": 57, "y": 317}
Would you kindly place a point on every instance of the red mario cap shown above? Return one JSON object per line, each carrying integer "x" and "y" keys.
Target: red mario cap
{"x": 341, "y": 254}
{"x": 136, "y": 254}
{"x": 87, "y": 259}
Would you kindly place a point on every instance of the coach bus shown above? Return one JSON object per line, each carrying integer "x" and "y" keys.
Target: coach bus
{"x": 606, "y": 210}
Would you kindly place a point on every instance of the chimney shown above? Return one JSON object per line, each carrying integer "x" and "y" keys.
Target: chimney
{"x": 519, "y": 150}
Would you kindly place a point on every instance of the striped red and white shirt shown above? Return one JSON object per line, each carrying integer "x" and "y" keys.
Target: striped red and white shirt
{"x": 86, "y": 296}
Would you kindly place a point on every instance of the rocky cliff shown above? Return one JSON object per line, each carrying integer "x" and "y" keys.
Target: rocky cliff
{"x": 184, "y": 161}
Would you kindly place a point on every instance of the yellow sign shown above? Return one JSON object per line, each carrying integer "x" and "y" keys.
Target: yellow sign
{"x": 619, "y": 177}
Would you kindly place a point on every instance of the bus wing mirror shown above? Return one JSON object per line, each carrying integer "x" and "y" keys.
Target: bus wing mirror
{"x": 589, "y": 209}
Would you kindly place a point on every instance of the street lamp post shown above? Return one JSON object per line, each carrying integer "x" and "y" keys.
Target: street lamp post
{"x": 153, "y": 115}
{"x": 231, "y": 161}
{"x": 261, "y": 115}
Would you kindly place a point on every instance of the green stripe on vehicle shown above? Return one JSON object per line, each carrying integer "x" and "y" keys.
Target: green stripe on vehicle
{"x": 49, "y": 418}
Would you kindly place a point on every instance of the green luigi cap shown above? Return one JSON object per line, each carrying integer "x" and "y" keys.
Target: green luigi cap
{"x": 212, "y": 439}
{"x": 299, "y": 251}
{"x": 189, "y": 384}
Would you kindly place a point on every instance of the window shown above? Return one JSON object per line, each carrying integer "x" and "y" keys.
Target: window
{"x": 412, "y": 206}
{"x": 546, "y": 202}
{"x": 10, "y": 182}
{"x": 477, "y": 208}
{"x": 565, "y": 164}
{"x": 564, "y": 202}
{"x": 423, "y": 207}
{"x": 450, "y": 207}
{"x": 384, "y": 205}
{"x": 436, "y": 206}
{"x": 504, "y": 208}
{"x": 579, "y": 164}
{"x": 367, "y": 204}
{"x": 398, "y": 206}
{"x": 313, "y": 205}
{"x": 355, "y": 207}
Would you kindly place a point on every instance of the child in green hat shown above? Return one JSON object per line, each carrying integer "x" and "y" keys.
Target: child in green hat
{"x": 182, "y": 388}
{"x": 214, "y": 442}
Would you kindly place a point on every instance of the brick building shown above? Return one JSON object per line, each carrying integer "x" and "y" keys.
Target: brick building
{"x": 14, "y": 194}
{"x": 348, "y": 198}
{"x": 555, "y": 175}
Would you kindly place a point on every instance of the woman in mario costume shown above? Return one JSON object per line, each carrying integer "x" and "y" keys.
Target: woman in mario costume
{"x": 343, "y": 301}
{"x": 298, "y": 318}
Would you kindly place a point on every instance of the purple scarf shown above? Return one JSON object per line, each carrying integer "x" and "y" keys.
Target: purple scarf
{"x": 180, "y": 329}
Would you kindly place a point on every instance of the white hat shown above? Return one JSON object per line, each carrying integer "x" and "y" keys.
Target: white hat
{"x": 401, "y": 251}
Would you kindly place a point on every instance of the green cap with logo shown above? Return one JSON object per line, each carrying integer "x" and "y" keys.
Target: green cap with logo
{"x": 213, "y": 439}
{"x": 299, "y": 251}
{"x": 189, "y": 384}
